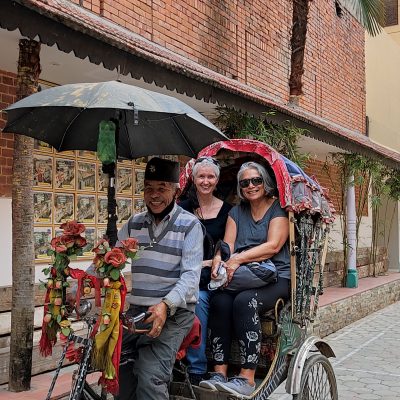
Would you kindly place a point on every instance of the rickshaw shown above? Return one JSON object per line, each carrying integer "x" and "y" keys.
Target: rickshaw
{"x": 290, "y": 350}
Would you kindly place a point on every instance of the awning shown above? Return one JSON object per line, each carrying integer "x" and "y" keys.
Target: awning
{"x": 73, "y": 28}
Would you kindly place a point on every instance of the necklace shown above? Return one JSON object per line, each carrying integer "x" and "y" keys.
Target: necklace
{"x": 202, "y": 212}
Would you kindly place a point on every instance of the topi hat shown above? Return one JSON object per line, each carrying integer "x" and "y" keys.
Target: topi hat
{"x": 158, "y": 169}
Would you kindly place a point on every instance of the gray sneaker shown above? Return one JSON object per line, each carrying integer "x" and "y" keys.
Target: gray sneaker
{"x": 215, "y": 377}
{"x": 237, "y": 385}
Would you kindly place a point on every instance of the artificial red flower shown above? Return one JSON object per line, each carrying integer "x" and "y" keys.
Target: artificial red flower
{"x": 68, "y": 240}
{"x": 72, "y": 228}
{"x": 130, "y": 245}
{"x": 57, "y": 245}
{"x": 115, "y": 257}
{"x": 80, "y": 241}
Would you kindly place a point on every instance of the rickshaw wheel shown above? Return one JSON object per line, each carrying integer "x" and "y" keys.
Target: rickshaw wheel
{"x": 318, "y": 380}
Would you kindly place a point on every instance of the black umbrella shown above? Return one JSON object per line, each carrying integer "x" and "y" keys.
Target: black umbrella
{"x": 67, "y": 117}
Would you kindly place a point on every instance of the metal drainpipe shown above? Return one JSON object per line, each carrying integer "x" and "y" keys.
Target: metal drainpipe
{"x": 352, "y": 274}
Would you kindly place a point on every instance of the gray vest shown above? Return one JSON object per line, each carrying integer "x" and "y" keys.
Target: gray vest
{"x": 157, "y": 270}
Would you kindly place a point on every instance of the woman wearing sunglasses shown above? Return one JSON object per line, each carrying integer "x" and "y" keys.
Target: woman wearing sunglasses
{"x": 212, "y": 213}
{"x": 257, "y": 229}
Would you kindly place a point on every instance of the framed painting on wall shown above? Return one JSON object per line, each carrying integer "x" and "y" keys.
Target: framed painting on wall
{"x": 90, "y": 235}
{"x": 42, "y": 237}
{"x": 139, "y": 206}
{"x": 86, "y": 154}
{"x": 58, "y": 232}
{"x": 102, "y": 180}
{"x": 65, "y": 174}
{"x": 42, "y": 171}
{"x": 42, "y": 207}
{"x": 85, "y": 208}
{"x": 139, "y": 181}
{"x": 44, "y": 147}
{"x": 124, "y": 180}
{"x": 102, "y": 210}
{"x": 124, "y": 209}
{"x": 63, "y": 207}
{"x": 86, "y": 176}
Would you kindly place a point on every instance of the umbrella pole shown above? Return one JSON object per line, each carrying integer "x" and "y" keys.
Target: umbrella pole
{"x": 111, "y": 232}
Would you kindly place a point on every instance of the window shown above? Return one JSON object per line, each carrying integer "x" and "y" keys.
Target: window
{"x": 391, "y": 12}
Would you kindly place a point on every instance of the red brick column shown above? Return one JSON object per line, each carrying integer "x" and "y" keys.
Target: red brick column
{"x": 7, "y": 97}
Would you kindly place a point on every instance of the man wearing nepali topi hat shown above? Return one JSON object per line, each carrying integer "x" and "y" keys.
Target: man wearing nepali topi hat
{"x": 165, "y": 279}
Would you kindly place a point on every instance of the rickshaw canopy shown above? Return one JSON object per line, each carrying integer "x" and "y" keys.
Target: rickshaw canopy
{"x": 297, "y": 191}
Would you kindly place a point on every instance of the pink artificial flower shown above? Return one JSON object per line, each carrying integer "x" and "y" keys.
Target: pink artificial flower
{"x": 115, "y": 257}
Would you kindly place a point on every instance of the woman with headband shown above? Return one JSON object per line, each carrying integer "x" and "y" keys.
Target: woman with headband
{"x": 212, "y": 213}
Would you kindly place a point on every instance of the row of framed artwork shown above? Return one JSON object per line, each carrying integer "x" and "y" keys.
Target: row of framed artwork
{"x": 61, "y": 173}
{"x": 58, "y": 207}
{"x": 71, "y": 185}
{"x": 62, "y": 208}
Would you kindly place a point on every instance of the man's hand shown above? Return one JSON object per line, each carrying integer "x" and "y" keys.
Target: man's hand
{"x": 157, "y": 317}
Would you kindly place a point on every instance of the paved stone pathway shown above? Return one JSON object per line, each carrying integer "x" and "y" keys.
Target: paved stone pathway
{"x": 367, "y": 364}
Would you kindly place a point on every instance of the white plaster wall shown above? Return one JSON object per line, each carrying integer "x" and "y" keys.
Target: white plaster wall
{"x": 364, "y": 237}
{"x": 382, "y": 56}
{"x": 5, "y": 242}
{"x": 390, "y": 216}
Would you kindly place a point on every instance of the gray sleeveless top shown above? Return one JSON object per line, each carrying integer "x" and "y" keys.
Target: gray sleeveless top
{"x": 252, "y": 233}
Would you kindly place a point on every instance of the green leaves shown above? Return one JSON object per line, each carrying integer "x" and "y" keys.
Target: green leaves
{"x": 115, "y": 274}
{"x": 66, "y": 331}
{"x": 370, "y": 14}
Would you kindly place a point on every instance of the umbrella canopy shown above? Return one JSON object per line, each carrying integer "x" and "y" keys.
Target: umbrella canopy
{"x": 67, "y": 117}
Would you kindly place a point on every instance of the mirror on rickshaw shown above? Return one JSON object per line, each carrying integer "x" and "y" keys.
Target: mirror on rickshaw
{"x": 290, "y": 351}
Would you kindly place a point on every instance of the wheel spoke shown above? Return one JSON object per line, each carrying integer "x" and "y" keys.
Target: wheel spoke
{"x": 318, "y": 385}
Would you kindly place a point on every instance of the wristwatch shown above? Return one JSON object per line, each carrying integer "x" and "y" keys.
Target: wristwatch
{"x": 171, "y": 308}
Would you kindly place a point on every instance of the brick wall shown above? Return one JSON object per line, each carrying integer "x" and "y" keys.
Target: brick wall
{"x": 329, "y": 177}
{"x": 250, "y": 41}
{"x": 247, "y": 41}
{"x": 7, "y": 97}
{"x": 339, "y": 314}
{"x": 335, "y": 264}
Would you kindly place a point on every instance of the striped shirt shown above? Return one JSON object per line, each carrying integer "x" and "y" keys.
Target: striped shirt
{"x": 169, "y": 263}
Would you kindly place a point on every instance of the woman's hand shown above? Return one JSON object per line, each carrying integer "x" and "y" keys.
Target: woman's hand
{"x": 231, "y": 266}
{"x": 215, "y": 265}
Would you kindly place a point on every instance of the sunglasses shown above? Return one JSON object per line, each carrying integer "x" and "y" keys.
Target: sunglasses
{"x": 209, "y": 159}
{"x": 256, "y": 181}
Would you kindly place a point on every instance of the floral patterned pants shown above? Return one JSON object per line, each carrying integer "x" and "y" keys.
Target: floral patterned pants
{"x": 236, "y": 314}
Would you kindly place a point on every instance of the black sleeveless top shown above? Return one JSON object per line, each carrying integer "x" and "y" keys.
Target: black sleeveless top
{"x": 215, "y": 227}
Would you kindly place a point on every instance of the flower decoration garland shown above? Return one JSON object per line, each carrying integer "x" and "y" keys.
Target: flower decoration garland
{"x": 109, "y": 264}
{"x": 64, "y": 248}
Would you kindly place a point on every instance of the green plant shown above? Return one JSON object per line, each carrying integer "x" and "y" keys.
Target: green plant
{"x": 282, "y": 137}
{"x": 374, "y": 182}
